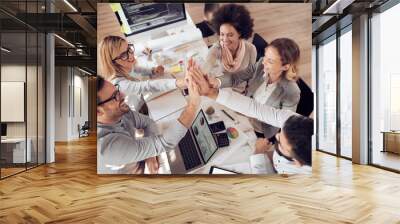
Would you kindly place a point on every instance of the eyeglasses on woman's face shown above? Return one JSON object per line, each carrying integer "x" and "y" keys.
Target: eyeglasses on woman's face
{"x": 125, "y": 55}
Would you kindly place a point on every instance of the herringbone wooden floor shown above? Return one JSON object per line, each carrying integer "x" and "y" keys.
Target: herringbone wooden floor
{"x": 70, "y": 191}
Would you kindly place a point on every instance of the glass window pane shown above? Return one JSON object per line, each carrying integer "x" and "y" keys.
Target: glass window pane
{"x": 41, "y": 99}
{"x": 31, "y": 97}
{"x": 23, "y": 86}
{"x": 385, "y": 114}
{"x": 346, "y": 94}
{"x": 13, "y": 86}
{"x": 327, "y": 96}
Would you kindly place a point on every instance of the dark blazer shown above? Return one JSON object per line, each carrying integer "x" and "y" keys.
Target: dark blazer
{"x": 285, "y": 96}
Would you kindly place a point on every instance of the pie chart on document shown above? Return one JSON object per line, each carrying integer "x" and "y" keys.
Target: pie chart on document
{"x": 232, "y": 132}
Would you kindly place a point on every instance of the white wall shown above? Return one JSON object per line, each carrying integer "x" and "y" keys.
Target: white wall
{"x": 79, "y": 117}
{"x": 61, "y": 103}
{"x": 68, "y": 83}
{"x": 33, "y": 126}
{"x": 15, "y": 73}
{"x": 12, "y": 101}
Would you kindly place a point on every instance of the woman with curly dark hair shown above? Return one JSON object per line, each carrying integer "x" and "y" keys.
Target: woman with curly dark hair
{"x": 234, "y": 26}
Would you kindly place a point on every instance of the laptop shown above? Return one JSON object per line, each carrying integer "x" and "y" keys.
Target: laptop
{"x": 195, "y": 149}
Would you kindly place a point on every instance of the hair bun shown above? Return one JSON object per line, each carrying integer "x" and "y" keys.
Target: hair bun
{"x": 291, "y": 73}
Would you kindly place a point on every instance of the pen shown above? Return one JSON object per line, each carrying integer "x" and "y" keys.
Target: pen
{"x": 226, "y": 113}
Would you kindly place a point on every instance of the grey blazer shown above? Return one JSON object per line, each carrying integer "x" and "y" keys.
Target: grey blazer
{"x": 285, "y": 96}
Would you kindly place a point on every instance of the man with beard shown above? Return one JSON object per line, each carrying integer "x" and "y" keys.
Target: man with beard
{"x": 119, "y": 151}
{"x": 292, "y": 151}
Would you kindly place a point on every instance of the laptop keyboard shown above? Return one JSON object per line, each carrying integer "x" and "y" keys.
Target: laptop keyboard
{"x": 188, "y": 151}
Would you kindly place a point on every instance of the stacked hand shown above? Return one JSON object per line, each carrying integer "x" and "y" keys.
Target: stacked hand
{"x": 204, "y": 84}
{"x": 188, "y": 115}
{"x": 198, "y": 84}
{"x": 147, "y": 51}
{"x": 194, "y": 95}
{"x": 191, "y": 63}
{"x": 262, "y": 146}
{"x": 183, "y": 83}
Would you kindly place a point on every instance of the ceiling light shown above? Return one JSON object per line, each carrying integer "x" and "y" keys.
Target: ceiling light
{"x": 70, "y": 5}
{"x": 5, "y": 50}
{"x": 338, "y": 6}
{"x": 84, "y": 71}
{"x": 65, "y": 41}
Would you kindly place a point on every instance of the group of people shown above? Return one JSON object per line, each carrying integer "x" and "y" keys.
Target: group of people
{"x": 266, "y": 92}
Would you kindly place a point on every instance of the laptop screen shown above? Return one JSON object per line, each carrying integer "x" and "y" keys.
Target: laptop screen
{"x": 147, "y": 16}
{"x": 204, "y": 138}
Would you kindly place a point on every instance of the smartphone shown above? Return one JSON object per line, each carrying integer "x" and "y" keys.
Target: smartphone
{"x": 222, "y": 139}
{"x": 217, "y": 127}
{"x": 185, "y": 92}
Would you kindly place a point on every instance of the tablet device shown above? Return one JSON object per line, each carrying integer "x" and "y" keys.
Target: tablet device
{"x": 218, "y": 170}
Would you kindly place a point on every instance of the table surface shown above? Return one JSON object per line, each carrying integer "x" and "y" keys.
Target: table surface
{"x": 236, "y": 155}
{"x": 390, "y": 132}
{"x": 183, "y": 52}
{"x": 13, "y": 140}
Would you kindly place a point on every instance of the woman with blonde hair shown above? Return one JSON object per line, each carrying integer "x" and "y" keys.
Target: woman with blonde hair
{"x": 271, "y": 81}
{"x": 119, "y": 66}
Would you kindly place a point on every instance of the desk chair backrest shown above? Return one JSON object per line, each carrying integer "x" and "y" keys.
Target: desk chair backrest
{"x": 306, "y": 103}
{"x": 205, "y": 29}
{"x": 260, "y": 45}
{"x": 86, "y": 125}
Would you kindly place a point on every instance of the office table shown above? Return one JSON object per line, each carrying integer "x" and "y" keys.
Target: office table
{"x": 391, "y": 141}
{"x": 166, "y": 106}
{"x": 170, "y": 57}
{"x": 234, "y": 157}
{"x": 13, "y": 150}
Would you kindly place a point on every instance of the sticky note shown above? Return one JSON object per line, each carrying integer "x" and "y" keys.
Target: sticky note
{"x": 176, "y": 69}
{"x": 115, "y": 7}
{"x": 125, "y": 29}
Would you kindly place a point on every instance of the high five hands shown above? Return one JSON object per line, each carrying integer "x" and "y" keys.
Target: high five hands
{"x": 206, "y": 86}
